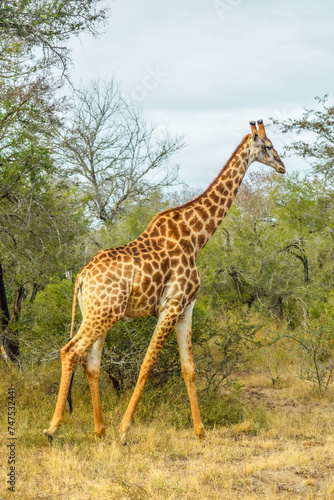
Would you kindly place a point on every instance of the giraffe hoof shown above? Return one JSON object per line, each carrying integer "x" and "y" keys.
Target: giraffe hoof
{"x": 48, "y": 435}
{"x": 123, "y": 439}
{"x": 101, "y": 433}
{"x": 200, "y": 433}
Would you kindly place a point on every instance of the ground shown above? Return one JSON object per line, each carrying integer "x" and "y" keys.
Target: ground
{"x": 286, "y": 452}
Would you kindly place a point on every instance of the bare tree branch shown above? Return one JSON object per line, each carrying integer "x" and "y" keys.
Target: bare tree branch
{"x": 114, "y": 153}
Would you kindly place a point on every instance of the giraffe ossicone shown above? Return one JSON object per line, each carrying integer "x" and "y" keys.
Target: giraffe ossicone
{"x": 154, "y": 275}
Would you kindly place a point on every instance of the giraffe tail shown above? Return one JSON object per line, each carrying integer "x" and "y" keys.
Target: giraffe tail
{"x": 74, "y": 303}
{"x": 77, "y": 285}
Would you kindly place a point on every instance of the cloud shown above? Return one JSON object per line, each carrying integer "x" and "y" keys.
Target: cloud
{"x": 258, "y": 59}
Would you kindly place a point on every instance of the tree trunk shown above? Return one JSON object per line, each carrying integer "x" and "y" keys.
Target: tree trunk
{"x": 4, "y": 316}
{"x": 34, "y": 292}
{"x": 4, "y": 311}
{"x": 9, "y": 341}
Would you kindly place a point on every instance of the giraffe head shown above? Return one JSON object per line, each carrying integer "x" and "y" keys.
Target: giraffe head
{"x": 263, "y": 149}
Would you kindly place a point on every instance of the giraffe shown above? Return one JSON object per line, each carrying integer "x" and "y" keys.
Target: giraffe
{"x": 154, "y": 275}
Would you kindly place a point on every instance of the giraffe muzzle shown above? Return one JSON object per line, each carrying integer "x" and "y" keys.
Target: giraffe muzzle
{"x": 280, "y": 169}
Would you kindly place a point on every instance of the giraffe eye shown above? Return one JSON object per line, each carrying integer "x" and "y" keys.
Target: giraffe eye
{"x": 269, "y": 147}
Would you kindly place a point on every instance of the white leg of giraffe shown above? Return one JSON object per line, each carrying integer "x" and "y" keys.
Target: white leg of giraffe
{"x": 91, "y": 362}
{"x": 70, "y": 354}
{"x": 163, "y": 328}
{"x": 183, "y": 335}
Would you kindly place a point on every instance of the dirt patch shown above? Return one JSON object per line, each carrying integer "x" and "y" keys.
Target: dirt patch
{"x": 270, "y": 399}
{"x": 289, "y": 480}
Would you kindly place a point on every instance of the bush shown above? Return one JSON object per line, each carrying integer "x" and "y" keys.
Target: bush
{"x": 45, "y": 324}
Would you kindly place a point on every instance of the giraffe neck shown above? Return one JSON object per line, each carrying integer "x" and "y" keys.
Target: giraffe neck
{"x": 207, "y": 211}
{"x": 191, "y": 225}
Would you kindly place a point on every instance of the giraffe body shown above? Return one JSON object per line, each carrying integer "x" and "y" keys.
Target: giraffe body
{"x": 154, "y": 275}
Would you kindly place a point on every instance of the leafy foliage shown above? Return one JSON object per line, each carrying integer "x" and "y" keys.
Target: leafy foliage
{"x": 34, "y": 34}
{"x": 316, "y": 127}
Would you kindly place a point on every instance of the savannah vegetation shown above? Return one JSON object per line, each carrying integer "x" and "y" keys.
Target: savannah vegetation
{"x": 86, "y": 172}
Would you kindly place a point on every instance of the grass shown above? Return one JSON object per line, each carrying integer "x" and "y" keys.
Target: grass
{"x": 266, "y": 443}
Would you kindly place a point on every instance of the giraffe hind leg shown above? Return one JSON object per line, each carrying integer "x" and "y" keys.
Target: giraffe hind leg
{"x": 70, "y": 354}
{"x": 91, "y": 362}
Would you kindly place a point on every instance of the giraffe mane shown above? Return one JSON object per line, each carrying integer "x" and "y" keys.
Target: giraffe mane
{"x": 188, "y": 203}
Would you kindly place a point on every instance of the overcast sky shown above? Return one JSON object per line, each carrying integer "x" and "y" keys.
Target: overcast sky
{"x": 206, "y": 68}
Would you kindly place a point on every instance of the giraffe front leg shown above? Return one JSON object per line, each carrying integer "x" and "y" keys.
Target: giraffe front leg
{"x": 91, "y": 362}
{"x": 183, "y": 335}
{"x": 164, "y": 327}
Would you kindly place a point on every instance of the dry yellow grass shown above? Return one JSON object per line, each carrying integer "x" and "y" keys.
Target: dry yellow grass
{"x": 290, "y": 457}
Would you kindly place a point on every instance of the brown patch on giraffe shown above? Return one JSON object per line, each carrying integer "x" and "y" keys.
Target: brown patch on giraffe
{"x": 189, "y": 287}
{"x": 164, "y": 265}
{"x": 184, "y": 246}
{"x": 154, "y": 232}
{"x": 173, "y": 230}
{"x": 177, "y": 251}
{"x": 152, "y": 300}
{"x": 180, "y": 269}
{"x": 229, "y": 184}
{"x": 214, "y": 197}
{"x": 198, "y": 226}
{"x": 163, "y": 230}
{"x": 147, "y": 268}
{"x": 213, "y": 210}
{"x": 168, "y": 275}
{"x": 207, "y": 202}
{"x": 171, "y": 245}
{"x": 184, "y": 260}
{"x": 210, "y": 227}
{"x": 201, "y": 240}
{"x": 159, "y": 243}
{"x": 187, "y": 215}
{"x": 155, "y": 264}
{"x": 174, "y": 262}
{"x": 182, "y": 281}
{"x": 201, "y": 212}
{"x": 151, "y": 290}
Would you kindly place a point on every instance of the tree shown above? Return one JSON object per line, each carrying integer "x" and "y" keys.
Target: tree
{"x": 274, "y": 248}
{"x": 34, "y": 35}
{"x": 117, "y": 156}
{"x": 316, "y": 126}
{"x": 39, "y": 215}
{"x": 40, "y": 218}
